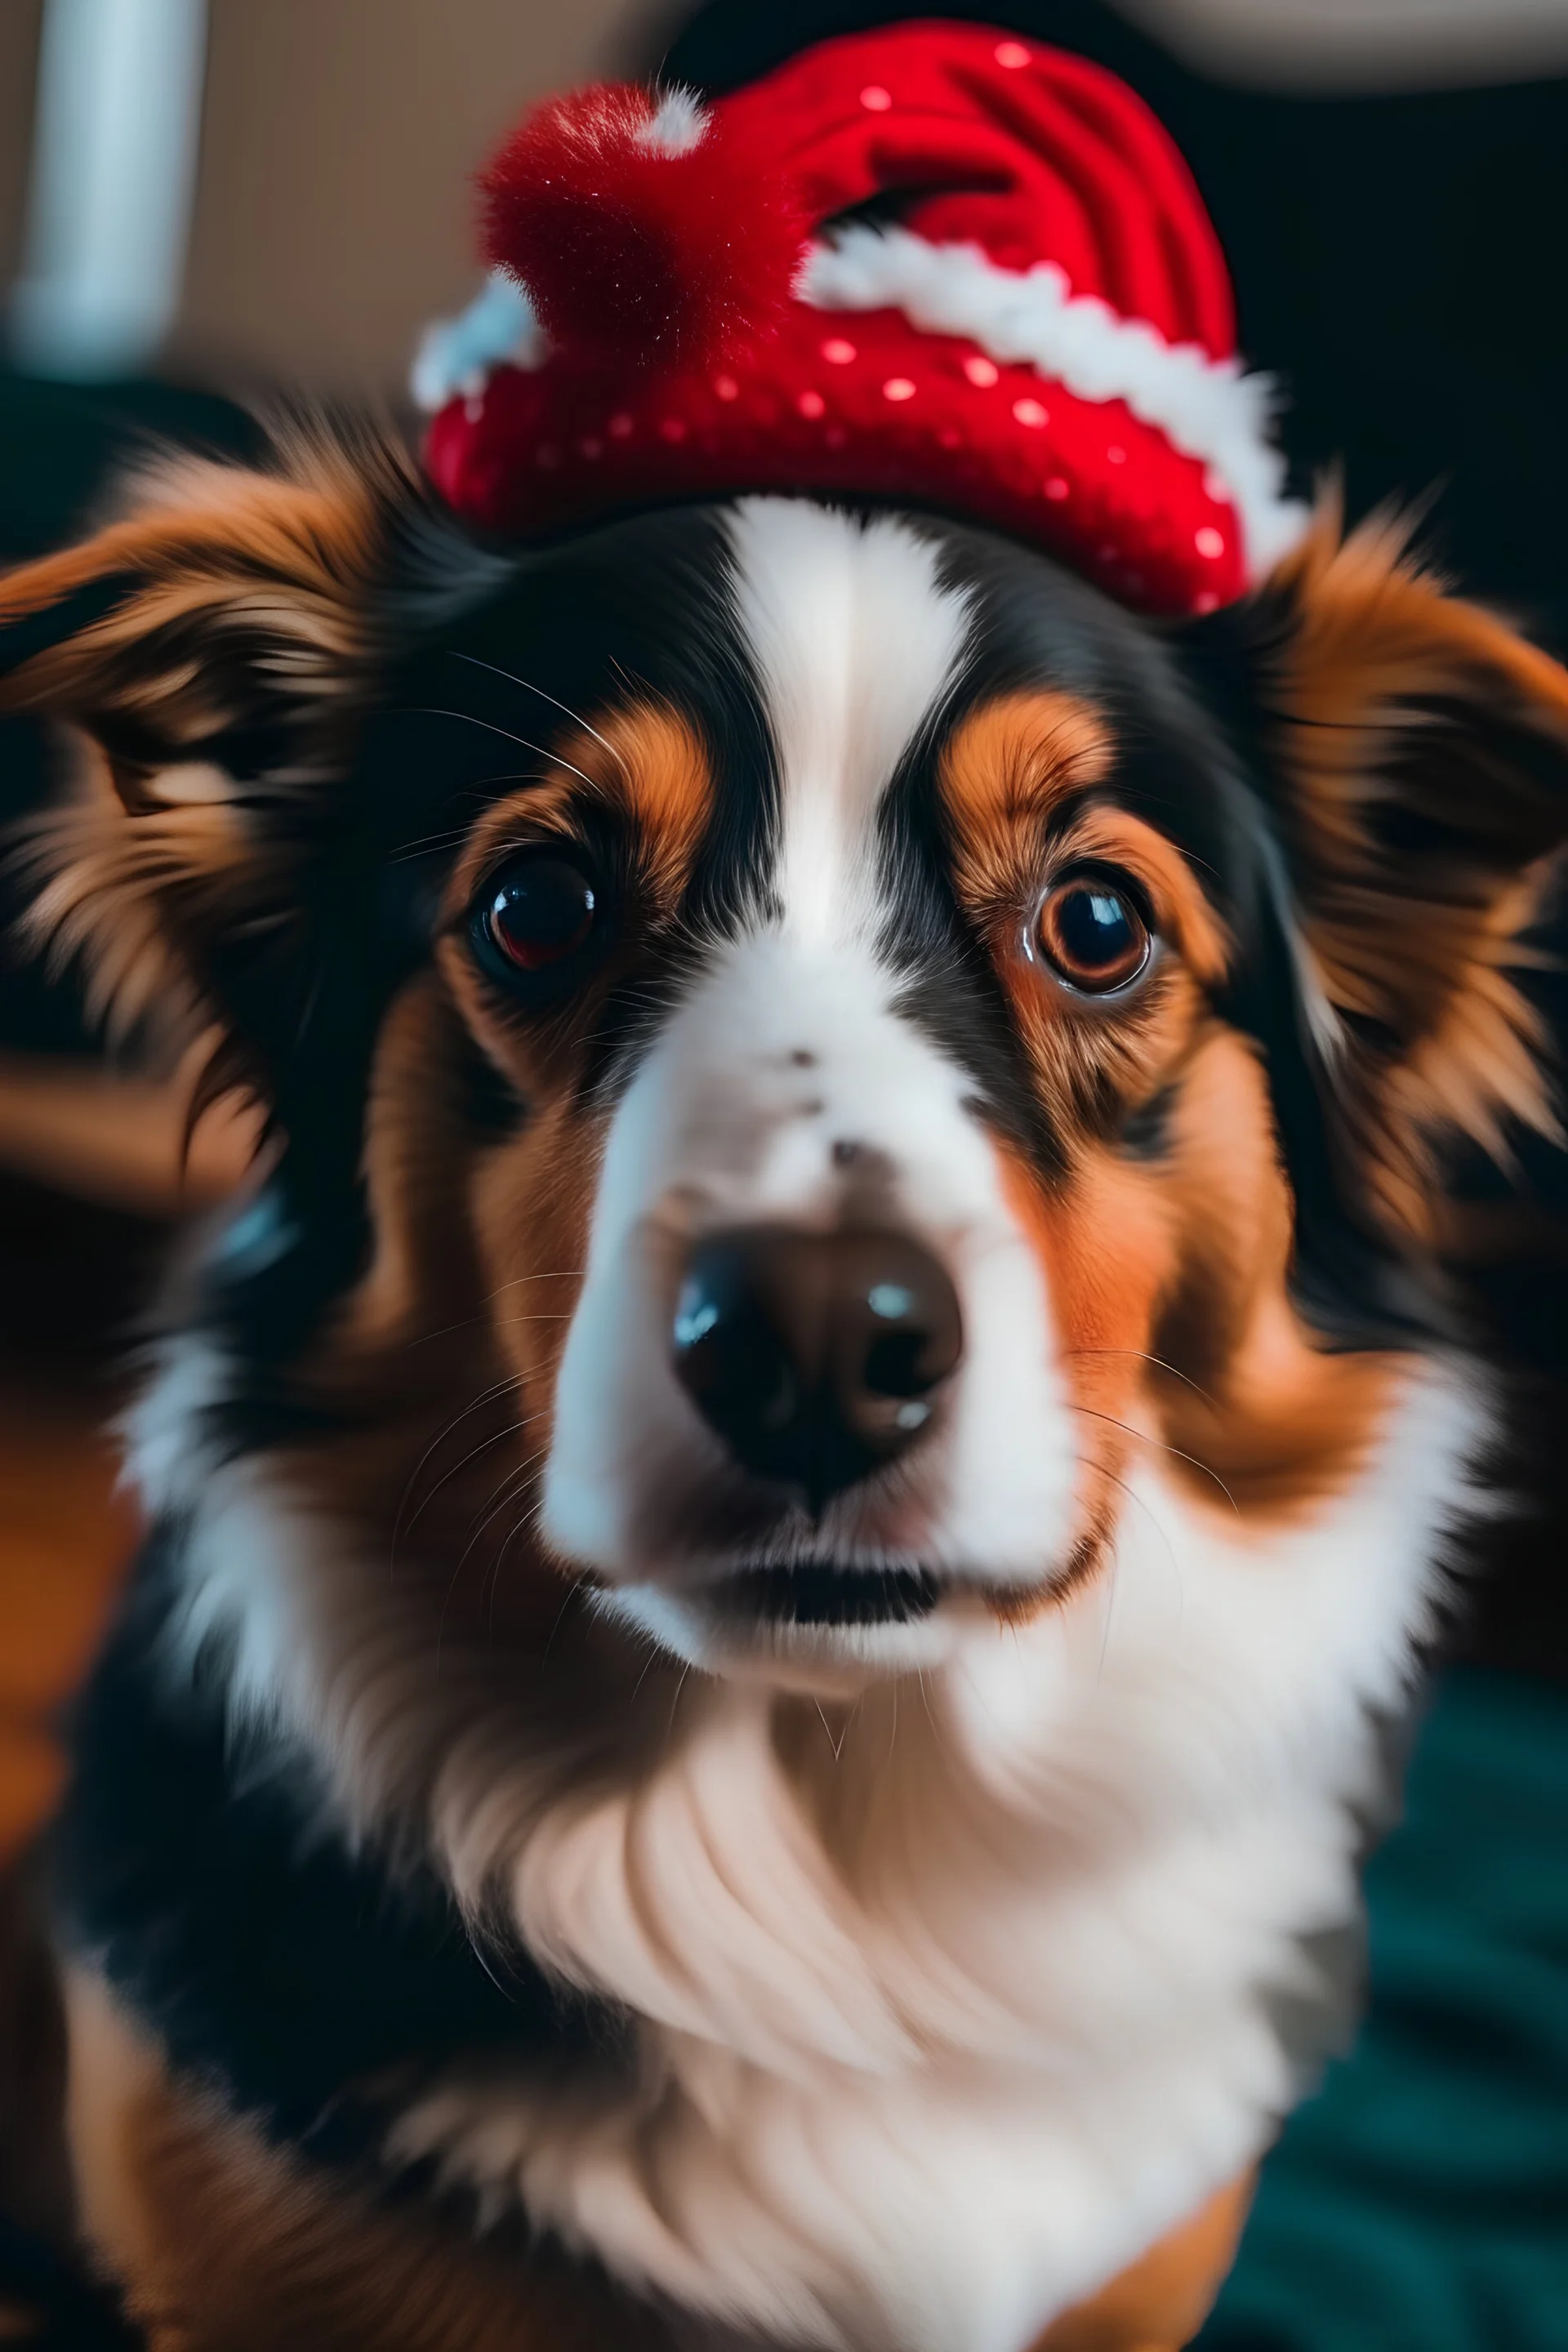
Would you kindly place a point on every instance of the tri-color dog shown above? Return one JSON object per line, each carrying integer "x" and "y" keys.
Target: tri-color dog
{"x": 783, "y": 1532}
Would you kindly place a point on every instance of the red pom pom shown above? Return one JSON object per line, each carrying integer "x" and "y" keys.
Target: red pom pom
{"x": 642, "y": 229}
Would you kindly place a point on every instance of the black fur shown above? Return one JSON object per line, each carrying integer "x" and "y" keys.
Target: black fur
{"x": 1146, "y": 1131}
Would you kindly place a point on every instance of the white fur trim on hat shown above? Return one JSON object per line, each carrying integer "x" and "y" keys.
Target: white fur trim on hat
{"x": 680, "y": 124}
{"x": 1206, "y": 408}
{"x": 456, "y": 355}
{"x": 1210, "y": 409}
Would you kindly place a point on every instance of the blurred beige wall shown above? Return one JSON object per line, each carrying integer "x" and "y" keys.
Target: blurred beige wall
{"x": 334, "y": 213}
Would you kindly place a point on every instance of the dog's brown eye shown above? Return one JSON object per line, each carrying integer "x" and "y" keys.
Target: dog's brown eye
{"x": 538, "y": 912}
{"x": 1090, "y": 933}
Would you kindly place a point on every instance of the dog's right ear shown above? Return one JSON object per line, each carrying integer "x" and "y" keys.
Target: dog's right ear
{"x": 211, "y": 652}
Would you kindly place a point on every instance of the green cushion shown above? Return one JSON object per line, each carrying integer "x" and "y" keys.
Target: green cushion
{"x": 1419, "y": 2202}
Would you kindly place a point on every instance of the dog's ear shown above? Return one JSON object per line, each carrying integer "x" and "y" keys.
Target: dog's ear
{"x": 1415, "y": 750}
{"x": 210, "y": 650}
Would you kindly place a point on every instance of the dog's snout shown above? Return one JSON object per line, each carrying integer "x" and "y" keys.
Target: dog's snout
{"x": 816, "y": 1356}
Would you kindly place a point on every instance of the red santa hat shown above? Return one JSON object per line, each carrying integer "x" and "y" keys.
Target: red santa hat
{"x": 936, "y": 264}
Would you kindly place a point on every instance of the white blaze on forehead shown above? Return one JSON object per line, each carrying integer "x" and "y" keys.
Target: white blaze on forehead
{"x": 788, "y": 1088}
{"x": 855, "y": 641}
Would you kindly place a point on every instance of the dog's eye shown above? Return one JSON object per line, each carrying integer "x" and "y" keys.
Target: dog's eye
{"x": 539, "y": 913}
{"x": 1092, "y": 933}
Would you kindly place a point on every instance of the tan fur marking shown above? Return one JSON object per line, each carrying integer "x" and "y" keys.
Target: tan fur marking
{"x": 1170, "y": 1288}
{"x": 1006, "y": 776}
{"x": 1104, "y": 1244}
{"x": 1013, "y": 783}
{"x": 642, "y": 762}
{"x": 1005, "y": 772}
{"x": 421, "y": 1266}
{"x": 664, "y": 783}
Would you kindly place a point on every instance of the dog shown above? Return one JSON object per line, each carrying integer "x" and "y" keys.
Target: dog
{"x": 779, "y": 1535}
{"x": 786, "y": 1531}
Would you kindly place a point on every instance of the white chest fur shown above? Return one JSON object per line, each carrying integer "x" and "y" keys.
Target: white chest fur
{"x": 950, "y": 2010}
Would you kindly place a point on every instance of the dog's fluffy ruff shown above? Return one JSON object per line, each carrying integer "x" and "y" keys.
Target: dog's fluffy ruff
{"x": 1082, "y": 1856}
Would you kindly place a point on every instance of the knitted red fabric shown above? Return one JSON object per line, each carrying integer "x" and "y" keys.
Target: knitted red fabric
{"x": 1010, "y": 307}
{"x": 642, "y": 241}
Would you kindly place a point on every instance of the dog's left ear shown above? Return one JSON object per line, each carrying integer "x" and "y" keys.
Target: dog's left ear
{"x": 1414, "y": 749}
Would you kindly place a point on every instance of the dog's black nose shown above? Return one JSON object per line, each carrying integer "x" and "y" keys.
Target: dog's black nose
{"x": 814, "y": 1355}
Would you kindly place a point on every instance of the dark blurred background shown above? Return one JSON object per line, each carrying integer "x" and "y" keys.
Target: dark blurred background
{"x": 200, "y": 202}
